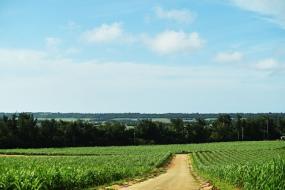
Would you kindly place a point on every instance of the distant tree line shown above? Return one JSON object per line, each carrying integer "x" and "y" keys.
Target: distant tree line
{"x": 23, "y": 130}
{"x": 111, "y": 116}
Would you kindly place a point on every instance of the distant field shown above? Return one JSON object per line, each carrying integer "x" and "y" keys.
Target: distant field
{"x": 123, "y": 120}
{"x": 66, "y": 119}
{"x": 238, "y": 146}
{"x": 69, "y": 168}
{"x": 163, "y": 120}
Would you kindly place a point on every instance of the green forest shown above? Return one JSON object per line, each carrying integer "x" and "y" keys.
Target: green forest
{"x": 23, "y": 130}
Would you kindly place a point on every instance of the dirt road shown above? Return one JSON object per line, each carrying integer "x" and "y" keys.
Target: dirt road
{"x": 177, "y": 177}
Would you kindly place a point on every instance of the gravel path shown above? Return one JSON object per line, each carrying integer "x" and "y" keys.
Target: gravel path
{"x": 177, "y": 177}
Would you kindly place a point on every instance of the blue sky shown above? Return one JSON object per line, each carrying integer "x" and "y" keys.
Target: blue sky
{"x": 142, "y": 56}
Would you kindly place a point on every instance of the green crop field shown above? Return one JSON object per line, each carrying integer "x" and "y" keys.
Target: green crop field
{"x": 247, "y": 165}
{"x": 68, "y": 172}
{"x": 250, "y": 169}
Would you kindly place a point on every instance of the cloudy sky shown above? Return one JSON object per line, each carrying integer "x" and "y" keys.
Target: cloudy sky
{"x": 142, "y": 56}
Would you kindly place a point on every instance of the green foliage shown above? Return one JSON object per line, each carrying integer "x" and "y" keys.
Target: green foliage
{"x": 241, "y": 163}
{"x": 24, "y": 131}
{"x": 247, "y": 169}
{"x": 72, "y": 172}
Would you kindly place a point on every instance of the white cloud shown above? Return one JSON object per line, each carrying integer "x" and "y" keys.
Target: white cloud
{"x": 27, "y": 87}
{"x": 72, "y": 50}
{"x": 170, "y": 41}
{"x": 20, "y": 56}
{"x": 272, "y": 10}
{"x": 52, "y": 42}
{"x": 181, "y": 16}
{"x": 224, "y": 57}
{"x": 105, "y": 82}
{"x": 104, "y": 33}
{"x": 267, "y": 64}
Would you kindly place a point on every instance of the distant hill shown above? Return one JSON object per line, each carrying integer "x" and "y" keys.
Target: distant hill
{"x": 129, "y": 116}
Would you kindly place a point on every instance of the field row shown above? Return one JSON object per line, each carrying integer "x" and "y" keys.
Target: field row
{"x": 68, "y": 168}
{"x": 123, "y": 150}
{"x": 43, "y": 172}
{"x": 251, "y": 170}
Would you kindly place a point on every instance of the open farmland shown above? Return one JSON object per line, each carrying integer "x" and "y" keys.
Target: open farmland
{"x": 69, "y": 172}
{"x": 148, "y": 149}
{"x": 250, "y": 169}
{"x": 142, "y": 95}
{"x": 241, "y": 164}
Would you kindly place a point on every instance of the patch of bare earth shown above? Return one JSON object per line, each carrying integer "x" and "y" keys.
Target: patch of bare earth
{"x": 177, "y": 177}
{"x": 10, "y": 155}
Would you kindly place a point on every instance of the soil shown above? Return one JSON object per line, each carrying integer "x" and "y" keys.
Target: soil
{"x": 10, "y": 155}
{"x": 177, "y": 177}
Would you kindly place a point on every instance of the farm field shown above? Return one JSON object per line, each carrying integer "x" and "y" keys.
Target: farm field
{"x": 242, "y": 164}
{"x": 68, "y": 172}
{"x": 247, "y": 145}
{"x": 65, "y": 119}
{"x": 245, "y": 169}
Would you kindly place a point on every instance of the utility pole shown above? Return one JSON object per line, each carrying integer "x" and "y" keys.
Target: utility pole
{"x": 134, "y": 136}
{"x": 238, "y": 134}
{"x": 267, "y": 123}
{"x": 238, "y": 125}
{"x": 242, "y": 123}
{"x": 242, "y": 133}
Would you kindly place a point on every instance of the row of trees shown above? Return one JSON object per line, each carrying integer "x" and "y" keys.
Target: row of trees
{"x": 23, "y": 130}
